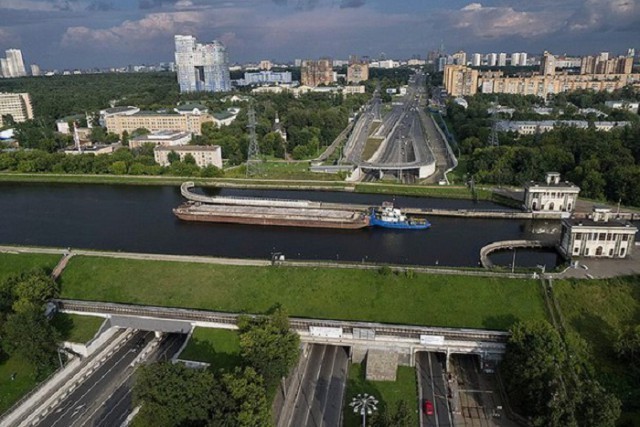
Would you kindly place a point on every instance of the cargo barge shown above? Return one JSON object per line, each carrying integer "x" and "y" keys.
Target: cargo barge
{"x": 272, "y": 215}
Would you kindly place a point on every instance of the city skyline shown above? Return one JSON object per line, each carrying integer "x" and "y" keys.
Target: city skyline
{"x": 101, "y": 33}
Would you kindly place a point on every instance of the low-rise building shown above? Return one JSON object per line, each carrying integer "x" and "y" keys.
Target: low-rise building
{"x": 93, "y": 149}
{"x": 551, "y": 195}
{"x": 204, "y": 155}
{"x": 192, "y": 109}
{"x": 165, "y": 138}
{"x": 532, "y": 127}
{"x": 155, "y": 122}
{"x": 600, "y": 236}
{"x": 116, "y": 111}
{"x": 623, "y": 105}
{"x": 225, "y": 118}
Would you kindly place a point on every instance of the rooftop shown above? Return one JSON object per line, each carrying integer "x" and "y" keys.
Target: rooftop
{"x": 191, "y": 107}
{"x": 115, "y": 110}
{"x": 541, "y": 184}
{"x": 163, "y": 134}
{"x": 611, "y": 223}
{"x": 189, "y": 148}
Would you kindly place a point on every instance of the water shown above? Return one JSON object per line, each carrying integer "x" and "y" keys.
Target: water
{"x": 139, "y": 219}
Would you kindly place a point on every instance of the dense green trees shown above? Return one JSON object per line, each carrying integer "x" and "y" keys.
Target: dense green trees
{"x": 175, "y": 395}
{"x": 26, "y": 332}
{"x": 550, "y": 380}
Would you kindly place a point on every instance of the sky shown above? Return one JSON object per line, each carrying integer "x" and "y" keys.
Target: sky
{"x": 67, "y": 34}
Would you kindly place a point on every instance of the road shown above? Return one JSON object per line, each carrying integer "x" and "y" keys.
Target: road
{"x": 433, "y": 387}
{"x": 319, "y": 399}
{"x": 104, "y": 398}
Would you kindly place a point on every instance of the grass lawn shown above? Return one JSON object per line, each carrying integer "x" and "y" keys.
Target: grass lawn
{"x": 597, "y": 309}
{"x": 283, "y": 170}
{"x": 372, "y": 145}
{"x": 220, "y": 347}
{"x": 388, "y": 393}
{"x": 11, "y": 264}
{"x": 307, "y": 292}
{"x": 77, "y": 328}
{"x": 12, "y": 391}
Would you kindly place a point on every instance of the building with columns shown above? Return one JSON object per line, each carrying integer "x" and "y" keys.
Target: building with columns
{"x": 551, "y": 195}
{"x": 599, "y": 236}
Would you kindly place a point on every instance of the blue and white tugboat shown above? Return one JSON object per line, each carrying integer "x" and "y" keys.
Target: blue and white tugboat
{"x": 388, "y": 216}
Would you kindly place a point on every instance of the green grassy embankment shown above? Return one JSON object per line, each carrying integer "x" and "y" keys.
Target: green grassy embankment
{"x": 597, "y": 310}
{"x": 388, "y": 393}
{"x": 11, "y": 264}
{"x": 77, "y": 328}
{"x": 420, "y": 299}
{"x": 220, "y": 347}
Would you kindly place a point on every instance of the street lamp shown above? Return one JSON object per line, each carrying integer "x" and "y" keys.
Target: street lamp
{"x": 364, "y": 404}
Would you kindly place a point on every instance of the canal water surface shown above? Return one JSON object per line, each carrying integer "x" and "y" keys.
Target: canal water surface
{"x": 139, "y": 219}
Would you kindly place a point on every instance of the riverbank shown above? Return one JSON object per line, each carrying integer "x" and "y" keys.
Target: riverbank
{"x": 454, "y": 192}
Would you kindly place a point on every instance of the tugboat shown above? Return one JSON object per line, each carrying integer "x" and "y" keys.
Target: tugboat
{"x": 388, "y": 216}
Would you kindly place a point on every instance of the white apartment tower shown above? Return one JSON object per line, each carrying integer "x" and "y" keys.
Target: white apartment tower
{"x": 12, "y": 65}
{"x": 502, "y": 60}
{"x": 476, "y": 60}
{"x": 201, "y": 67}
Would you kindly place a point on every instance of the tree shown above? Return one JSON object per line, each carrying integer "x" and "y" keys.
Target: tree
{"x": 400, "y": 416}
{"x": 173, "y": 157}
{"x": 28, "y": 335}
{"x": 627, "y": 346}
{"x": 125, "y": 138}
{"x": 34, "y": 289}
{"x": 172, "y": 394}
{"x": 246, "y": 393}
{"x": 268, "y": 345}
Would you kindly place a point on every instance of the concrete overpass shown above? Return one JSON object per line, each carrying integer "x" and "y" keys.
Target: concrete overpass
{"x": 406, "y": 340}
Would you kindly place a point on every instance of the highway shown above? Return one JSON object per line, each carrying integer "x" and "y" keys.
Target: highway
{"x": 319, "y": 399}
{"x": 433, "y": 387}
{"x": 104, "y": 398}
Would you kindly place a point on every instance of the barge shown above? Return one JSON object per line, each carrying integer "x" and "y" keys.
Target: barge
{"x": 272, "y": 215}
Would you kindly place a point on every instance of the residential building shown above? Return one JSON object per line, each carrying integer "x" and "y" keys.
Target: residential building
{"x": 204, "y": 155}
{"x": 315, "y": 73}
{"x": 460, "y": 58}
{"x": 201, "y": 67}
{"x": 502, "y": 60}
{"x": 266, "y": 77}
{"x": 515, "y": 59}
{"x": 460, "y": 80}
{"x": 165, "y": 138}
{"x": 533, "y": 127}
{"x": 35, "y": 70}
{"x": 12, "y": 65}
{"x": 624, "y": 105}
{"x": 602, "y": 64}
{"x": 155, "y": 122}
{"x": 547, "y": 64}
{"x": 476, "y": 60}
{"x": 265, "y": 65}
{"x": 492, "y": 59}
{"x": 600, "y": 236}
{"x": 551, "y": 195}
{"x": 18, "y": 105}
{"x": 357, "y": 71}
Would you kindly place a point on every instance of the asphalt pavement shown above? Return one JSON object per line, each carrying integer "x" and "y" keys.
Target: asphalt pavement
{"x": 433, "y": 387}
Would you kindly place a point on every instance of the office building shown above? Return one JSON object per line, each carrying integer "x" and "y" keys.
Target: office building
{"x": 204, "y": 155}
{"x": 315, "y": 73}
{"x": 18, "y": 105}
{"x": 155, "y": 122}
{"x": 357, "y": 71}
{"x": 600, "y": 236}
{"x": 201, "y": 67}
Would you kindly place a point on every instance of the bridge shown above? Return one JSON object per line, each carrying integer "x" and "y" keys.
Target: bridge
{"x": 406, "y": 340}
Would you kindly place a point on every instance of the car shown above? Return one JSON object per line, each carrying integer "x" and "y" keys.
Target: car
{"x": 428, "y": 407}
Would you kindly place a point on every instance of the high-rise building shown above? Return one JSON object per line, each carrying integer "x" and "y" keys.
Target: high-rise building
{"x": 476, "y": 60}
{"x": 547, "y": 64}
{"x": 515, "y": 59}
{"x": 502, "y": 60}
{"x": 35, "y": 70}
{"x": 315, "y": 73}
{"x": 460, "y": 80}
{"x": 523, "y": 59}
{"x": 12, "y": 65}
{"x": 18, "y": 105}
{"x": 460, "y": 57}
{"x": 492, "y": 59}
{"x": 602, "y": 64}
{"x": 357, "y": 71}
{"x": 201, "y": 67}
{"x": 265, "y": 65}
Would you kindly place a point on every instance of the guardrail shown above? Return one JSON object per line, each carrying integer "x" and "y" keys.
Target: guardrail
{"x": 297, "y": 324}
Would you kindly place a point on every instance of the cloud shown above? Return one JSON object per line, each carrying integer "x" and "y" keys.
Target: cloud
{"x": 101, "y": 6}
{"x": 502, "y": 21}
{"x": 344, "y": 4}
{"x": 154, "y": 4}
{"x": 604, "y": 14}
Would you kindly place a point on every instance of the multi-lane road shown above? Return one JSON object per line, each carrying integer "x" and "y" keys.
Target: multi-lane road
{"x": 318, "y": 402}
{"x": 104, "y": 398}
{"x": 433, "y": 387}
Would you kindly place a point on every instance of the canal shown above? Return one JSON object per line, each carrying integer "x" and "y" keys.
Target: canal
{"x": 139, "y": 219}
